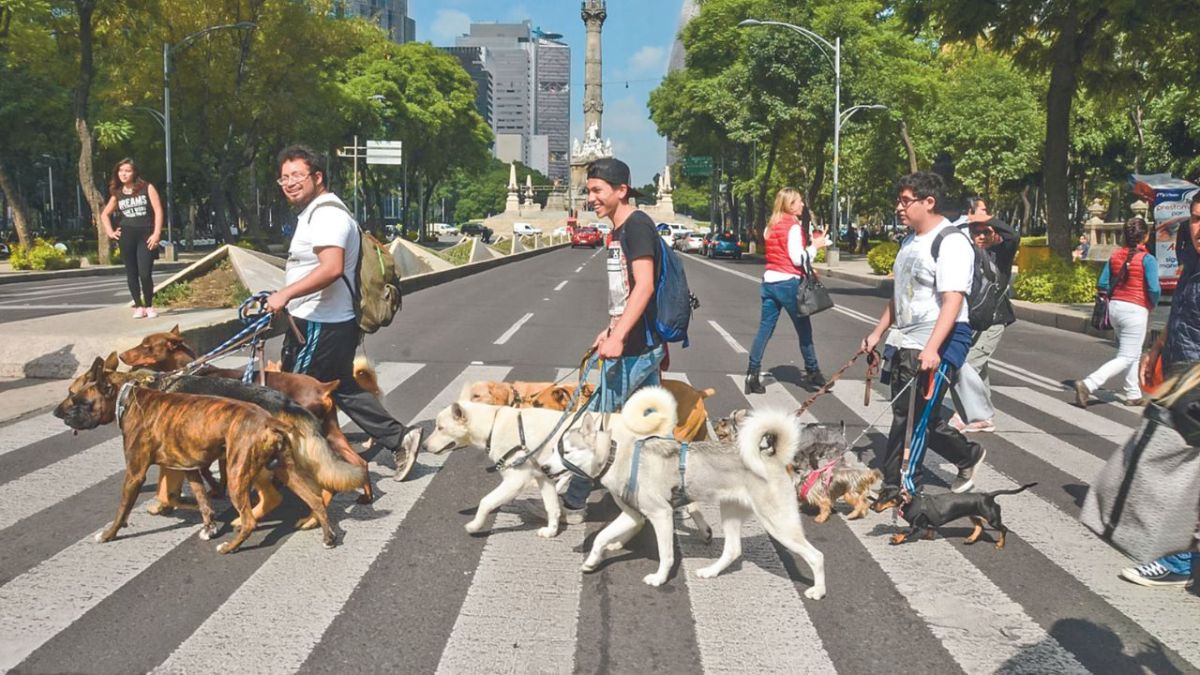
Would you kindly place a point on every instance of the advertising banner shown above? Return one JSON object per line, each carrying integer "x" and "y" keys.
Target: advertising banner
{"x": 1169, "y": 198}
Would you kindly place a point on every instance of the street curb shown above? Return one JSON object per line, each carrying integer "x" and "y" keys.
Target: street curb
{"x": 430, "y": 279}
{"x": 1051, "y": 315}
{"x": 93, "y": 271}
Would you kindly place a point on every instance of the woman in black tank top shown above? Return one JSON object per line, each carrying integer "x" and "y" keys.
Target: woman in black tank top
{"x": 139, "y": 215}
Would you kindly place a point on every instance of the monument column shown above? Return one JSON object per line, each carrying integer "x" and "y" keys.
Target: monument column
{"x": 594, "y": 13}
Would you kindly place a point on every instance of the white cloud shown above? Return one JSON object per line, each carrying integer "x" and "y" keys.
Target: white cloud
{"x": 447, "y": 25}
{"x": 649, "y": 60}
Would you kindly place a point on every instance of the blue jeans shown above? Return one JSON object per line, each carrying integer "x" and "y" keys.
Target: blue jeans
{"x": 620, "y": 378}
{"x": 1179, "y": 563}
{"x": 776, "y": 297}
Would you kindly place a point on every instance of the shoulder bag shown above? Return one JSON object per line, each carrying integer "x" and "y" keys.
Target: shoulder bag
{"x": 1100, "y": 319}
{"x": 811, "y": 296}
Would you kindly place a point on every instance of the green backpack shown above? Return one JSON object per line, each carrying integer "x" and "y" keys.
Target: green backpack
{"x": 376, "y": 297}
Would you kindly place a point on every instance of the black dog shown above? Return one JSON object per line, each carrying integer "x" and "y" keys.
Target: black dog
{"x": 930, "y": 511}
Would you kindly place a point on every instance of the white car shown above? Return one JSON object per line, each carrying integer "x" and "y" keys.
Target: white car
{"x": 693, "y": 242}
{"x": 443, "y": 229}
{"x": 560, "y": 231}
{"x": 524, "y": 229}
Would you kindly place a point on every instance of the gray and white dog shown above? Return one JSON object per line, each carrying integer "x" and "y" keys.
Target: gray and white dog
{"x": 751, "y": 476}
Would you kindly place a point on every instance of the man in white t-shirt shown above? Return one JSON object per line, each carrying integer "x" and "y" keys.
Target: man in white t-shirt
{"x": 321, "y": 267}
{"x": 929, "y": 336}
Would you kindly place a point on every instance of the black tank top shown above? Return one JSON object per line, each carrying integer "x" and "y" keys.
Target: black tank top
{"x": 135, "y": 209}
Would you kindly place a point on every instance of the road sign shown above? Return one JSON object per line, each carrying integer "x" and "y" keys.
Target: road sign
{"x": 384, "y": 152}
{"x": 697, "y": 166}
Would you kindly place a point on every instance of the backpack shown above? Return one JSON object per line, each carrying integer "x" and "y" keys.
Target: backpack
{"x": 376, "y": 297}
{"x": 985, "y": 302}
{"x": 673, "y": 301}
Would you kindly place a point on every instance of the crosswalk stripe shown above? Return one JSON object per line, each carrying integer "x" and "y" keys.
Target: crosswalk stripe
{"x": 928, "y": 572}
{"x": 1069, "y": 413}
{"x": 27, "y": 432}
{"x": 777, "y": 397}
{"x": 50, "y": 485}
{"x": 1078, "y": 552}
{"x": 1048, "y": 448}
{"x": 287, "y": 626}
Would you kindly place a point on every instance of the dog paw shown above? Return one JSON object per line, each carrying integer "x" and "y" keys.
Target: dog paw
{"x": 708, "y": 572}
{"x": 207, "y": 533}
{"x": 157, "y": 508}
{"x": 307, "y": 523}
{"x": 897, "y": 539}
{"x": 815, "y": 593}
{"x": 615, "y": 546}
{"x": 473, "y": 527}
{"x": 223, "y": 548}
{"x": 363, "y": 499}
{"x": 655, "y": 579}
{"x": 102, "y": 537}
{"x": 589, "y": 566}
{"x": 548, "y": 532}
{"x": 708, "y": 535}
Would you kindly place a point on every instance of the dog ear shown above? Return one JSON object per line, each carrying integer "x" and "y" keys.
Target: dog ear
{"x": 738, "y": 416}
{"x": 460, "y": 415}
{"x": 175, "y": 331}
{"x": 561, "y": 395}
{"x": 96, "y": 370}
{"x": 588, "y": 424}
{"x": 111, "y": 363}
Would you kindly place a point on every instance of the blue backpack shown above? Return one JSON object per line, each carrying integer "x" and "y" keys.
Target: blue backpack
{"x": 673, "y": 301}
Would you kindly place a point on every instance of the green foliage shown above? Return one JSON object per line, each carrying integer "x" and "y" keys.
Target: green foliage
{"x": 1035, "y": 242}
{"x": 457, "y": 254}
{"x": 176, "y": 293}
{"x": 821, "y": 257}
{"x": 114, "y": 132}
{"x": 1055, "y": 280}
{"x": 42, "y": 255}
{"x": 478, "y": 192}
{"x": 504, "y": 247}
{"x": 881, "y": 257}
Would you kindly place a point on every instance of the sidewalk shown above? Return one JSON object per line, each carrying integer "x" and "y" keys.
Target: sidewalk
{"x": 10, "y": 276}
{"x": 1072, "y": 317}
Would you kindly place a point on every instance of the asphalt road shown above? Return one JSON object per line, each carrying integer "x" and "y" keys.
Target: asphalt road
{"x": 408, "y": 590}
{"x": 28, "y": 300}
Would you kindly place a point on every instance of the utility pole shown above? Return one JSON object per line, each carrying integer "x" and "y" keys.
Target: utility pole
{"x": 354, "y": 152}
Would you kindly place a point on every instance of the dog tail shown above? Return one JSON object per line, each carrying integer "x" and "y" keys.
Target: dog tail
{"x": 364, "y": 375}
{"x": 768, "y": 437}
{"x": 315, "y": 458}
{"x": 1013, "y": 491}
{"x": 705, "y": 393}
{"x": 650, "y": 411}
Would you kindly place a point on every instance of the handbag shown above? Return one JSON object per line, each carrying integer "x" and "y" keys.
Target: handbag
{"x": 1146, "y": 500}
{"x": 811, "y": 295}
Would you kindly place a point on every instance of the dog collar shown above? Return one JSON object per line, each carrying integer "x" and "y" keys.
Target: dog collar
{"x": 122, "y": 399}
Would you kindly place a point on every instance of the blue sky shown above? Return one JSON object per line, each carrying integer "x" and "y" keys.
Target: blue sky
{"x": 636, "y": 44}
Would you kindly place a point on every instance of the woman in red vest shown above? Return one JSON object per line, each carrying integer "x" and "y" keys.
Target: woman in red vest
{"x": 790, "y": 251}
{"x": 1131, "y": 280}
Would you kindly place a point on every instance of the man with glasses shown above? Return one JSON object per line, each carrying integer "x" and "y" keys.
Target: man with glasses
{"x": 321, "y": 267}
{"x": 929, "y": 339}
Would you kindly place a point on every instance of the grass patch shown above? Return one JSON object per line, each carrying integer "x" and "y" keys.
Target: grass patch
{"x": 458, "y": 254}
{"x": 504, "y": 247}
{"x": 218, "y": 289}
{"x": 528, "y": 242}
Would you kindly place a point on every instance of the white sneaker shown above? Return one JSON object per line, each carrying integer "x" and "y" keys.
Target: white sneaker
{"x": 139, "y": 313}
{"x": 981, "y": 425}
{"x": 151, "y": 313}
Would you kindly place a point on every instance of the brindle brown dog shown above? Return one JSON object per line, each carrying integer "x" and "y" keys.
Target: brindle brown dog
{"x": 168, "y": 351}
{"x": 187, "y": 431}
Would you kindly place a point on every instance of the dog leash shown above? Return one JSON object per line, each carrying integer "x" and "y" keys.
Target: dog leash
{"x": 254, "y": 326}
{"x": 514, "y": 458}
{"x": 836, "y": 376}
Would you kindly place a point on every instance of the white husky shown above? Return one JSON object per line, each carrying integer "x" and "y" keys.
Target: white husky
{"x": 752, "y": 476}
{"x": 498, "y": 430}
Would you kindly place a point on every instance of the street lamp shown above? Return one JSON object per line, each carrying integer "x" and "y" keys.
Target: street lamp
{"x": 169, "y": 49}
{"x": 832, "y": 53}
{"x": 50, "y": 185}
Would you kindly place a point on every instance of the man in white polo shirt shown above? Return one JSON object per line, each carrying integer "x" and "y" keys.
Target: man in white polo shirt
{"x": 322, "y": 264}
{"x": 929, "y": 336}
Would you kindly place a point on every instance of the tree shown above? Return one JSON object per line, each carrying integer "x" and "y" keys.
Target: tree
{"x": 473, "y": 193}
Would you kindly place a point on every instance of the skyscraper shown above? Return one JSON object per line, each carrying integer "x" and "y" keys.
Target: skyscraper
{"x": 391, "y": 15}
{"x": 678, "y": 59}
{"x": 530, "y": 76}
{"x": 474, "y": 60}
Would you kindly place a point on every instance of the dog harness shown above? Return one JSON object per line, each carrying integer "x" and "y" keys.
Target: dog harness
{"x": 122, "y": 399}
{"x": 631, "y": 483}
{"x": 825, "y": 471}
{"x": 518, "y": 458}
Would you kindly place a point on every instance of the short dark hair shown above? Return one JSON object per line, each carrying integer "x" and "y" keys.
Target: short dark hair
{"x": 1196, "y": 198}
{"x": 925, "y": 184}
{"x": 973, "y": 203}
{"x": 315, "y": 162}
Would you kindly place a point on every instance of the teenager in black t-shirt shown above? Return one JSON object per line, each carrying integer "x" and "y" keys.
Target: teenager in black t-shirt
{"x": 632, "y": 353}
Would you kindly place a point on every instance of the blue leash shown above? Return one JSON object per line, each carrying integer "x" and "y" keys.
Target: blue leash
{"x": 254, "y": 325}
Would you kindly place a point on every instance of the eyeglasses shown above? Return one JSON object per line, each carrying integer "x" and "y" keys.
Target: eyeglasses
{"x": 285, "y": 181}
{"x": 906, "y": 202}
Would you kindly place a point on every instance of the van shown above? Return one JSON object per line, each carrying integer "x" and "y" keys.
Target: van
{"x": 523, "y": 229}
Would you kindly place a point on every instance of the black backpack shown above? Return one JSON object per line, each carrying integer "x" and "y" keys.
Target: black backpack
{"x": 988, "y": 292}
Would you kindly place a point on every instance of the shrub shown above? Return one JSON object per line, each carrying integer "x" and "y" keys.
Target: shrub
{"x": 457, "y": 254}
{"x": 1056, "y": 280}
{"x": 882, "y": 257}
{"x": 820, "y": 256}
{"x": 175, "y": 293}
{"x": 41, "y": 256}
{"x": 1034, "y": 241}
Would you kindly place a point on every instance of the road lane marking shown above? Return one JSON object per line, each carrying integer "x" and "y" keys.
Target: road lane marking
{"x": 513, "y": 329}
{"x": 288, "y": 626}
{"x": 728, "y": 338}
{"x": 27, "y": 432}
{"x": 929, "y": 573}
{"x": 52, "y": 595}
{"x": 560, "y": 285}
{"x": 1069, "y": 413}
{"x": 578, "y": 269}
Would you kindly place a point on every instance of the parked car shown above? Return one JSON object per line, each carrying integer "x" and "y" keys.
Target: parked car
{"x": 692, "y": 242}
{"x": 443, "y": 229}
{"x": 4, "y": 251}
{"x": 604, "y": 228}
{"x": 675, "y": 229}
{"x": 679, "y": 239}
{"x": 587, "y": 236}
{"x": 724, "y": 245}
{"x": 477, "y": 230}
{"x": 524, "y": 229}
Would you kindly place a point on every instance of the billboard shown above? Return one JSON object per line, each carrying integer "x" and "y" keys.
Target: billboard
{"x": 1169, "y": 198}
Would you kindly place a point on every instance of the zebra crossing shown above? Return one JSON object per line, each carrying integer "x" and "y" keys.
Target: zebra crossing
{"x": 408, "y": 589}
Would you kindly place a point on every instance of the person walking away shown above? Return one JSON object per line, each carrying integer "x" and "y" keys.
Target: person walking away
{"x": 1131, "y": 281}
{"x": 974, "y": 388}
{"x": 631, "y": 351}
{"x": 929, "y": 339}
{"x": 321, "y": 267}
{"x": 138, "y": 230}
{"x": 1179, "y": 349}
{"x": 790, "y": 250}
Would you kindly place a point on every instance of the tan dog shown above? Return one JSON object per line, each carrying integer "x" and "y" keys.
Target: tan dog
{"x": 693, "y": 418}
